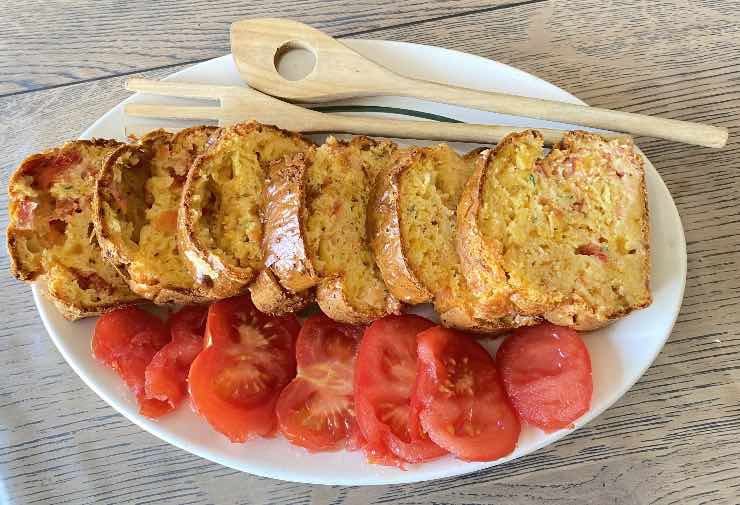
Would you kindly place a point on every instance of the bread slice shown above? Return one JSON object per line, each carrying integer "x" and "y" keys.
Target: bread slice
{"x": 565, "y": 236}
{"x": 338, "y": 185}
{"x": 316, "y": 233}
{"x": 413, "y": 226}
{"x": 219, "y": 226}
{"x": 50, "y": 233}
{"x": 136, "y": 204}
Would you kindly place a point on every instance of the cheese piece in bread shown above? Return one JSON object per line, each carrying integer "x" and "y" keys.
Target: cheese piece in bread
{"x": 50, "y": 233}
{"x": 565, "y": 236}
{"x": 219, "y": 224}
{"x": 413, "y": 226}
{"x": 136, "y": 202}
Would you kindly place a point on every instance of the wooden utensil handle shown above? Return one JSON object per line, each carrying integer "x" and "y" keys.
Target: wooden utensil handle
{"x": 635, "y": 124}
{"x": 429, "y": 130}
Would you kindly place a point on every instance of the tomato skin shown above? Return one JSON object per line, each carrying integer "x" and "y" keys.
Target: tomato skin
{"x": 316, "y": 410}
{"x": 188, "y": 323}
{"x": 385, "y": 379}
{"x": 237, "y": 422}
{"x": 546, "y": 372}
{"x": 461, "y": 403}
{"x": 226, "y": 315}
{"x": 248, "y": 358}
{"x": 167, "y": 373}
{"x": 126, "y": 340}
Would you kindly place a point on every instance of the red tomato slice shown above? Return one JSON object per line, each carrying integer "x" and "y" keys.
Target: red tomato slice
{"x": 167, "y": 373}
{"x": 316, "y": 410}
{"x": 249, "y": 358}
{"x": 126, "y": 340}
{"x": 546, "y": 371}
{"x": 385, "y": 378}
{"x": 463, "y": 407}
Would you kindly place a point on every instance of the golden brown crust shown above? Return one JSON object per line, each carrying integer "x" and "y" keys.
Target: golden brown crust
{"x": 283, "y": 243}
{"x": 332, "y": 299}
{"x": 72, "y": 310}
{"x": 219, "y": 276}
{"x": 463, "y": 318}
{"x": 271, "y": 298}
{"x": 384, "y": 231}
{"x": 48, "y": 232}
{"x": 133, "y": 164}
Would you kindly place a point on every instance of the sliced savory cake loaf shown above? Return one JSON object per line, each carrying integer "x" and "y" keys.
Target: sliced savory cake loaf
{"x": 485, "y": 277}
{"x": 219, "y": 226}
{"x": 338, "y": 185}
{"x": 316, "y": 234}
{"x": 565, "y": 236}
{"x": 413, "y": 226}
{"x": 136, "y": 202}
{"x": 288, "y": 275}
{"x": 51, "y": 235}
{"x": 284, "y": 248}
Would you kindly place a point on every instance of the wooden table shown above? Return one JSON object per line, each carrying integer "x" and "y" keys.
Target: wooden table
{"x": 673, "y": 438}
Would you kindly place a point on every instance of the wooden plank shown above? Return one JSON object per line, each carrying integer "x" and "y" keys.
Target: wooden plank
{"x": 50, "y": 43}
{"x": 673, "y": 438}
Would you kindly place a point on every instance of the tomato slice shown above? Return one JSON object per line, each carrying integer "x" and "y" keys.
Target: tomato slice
{"x": 462, "y": 404}
{"x": 167, "y": 373}
{"x": 126, "y": 340}
{"x": 316, "y": 410}
{"x": 248, "y": 359}
{"x": 385, "y": 379}
{"x": 546, "y": 371}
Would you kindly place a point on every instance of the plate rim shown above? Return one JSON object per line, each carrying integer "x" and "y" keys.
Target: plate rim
{"x": 407, "y": 477}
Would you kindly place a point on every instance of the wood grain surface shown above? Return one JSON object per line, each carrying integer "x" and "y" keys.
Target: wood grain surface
{"x": 674, "y": 438}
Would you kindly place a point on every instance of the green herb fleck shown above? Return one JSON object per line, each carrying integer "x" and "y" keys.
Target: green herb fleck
{"x": 532, "y": 180}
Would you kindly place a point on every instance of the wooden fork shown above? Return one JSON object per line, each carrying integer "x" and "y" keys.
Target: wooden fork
{"x": 241, "y": 104}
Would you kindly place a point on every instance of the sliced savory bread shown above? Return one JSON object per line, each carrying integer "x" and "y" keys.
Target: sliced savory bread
{"x": 565, "y": 236}
{"x": 219, "y": 225}
{"x": 413, "y": 228}
{"x": 50, "y": 233}
{"x": 338, "y": 185}
{"x": 136, "y": 204}
{"x": 316, "y": 232}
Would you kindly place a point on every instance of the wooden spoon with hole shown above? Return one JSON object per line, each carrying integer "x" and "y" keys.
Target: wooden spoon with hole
{"x": 340, "y": 72}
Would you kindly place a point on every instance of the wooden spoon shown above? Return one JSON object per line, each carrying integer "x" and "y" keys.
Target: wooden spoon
{"x": 340, "y": 72}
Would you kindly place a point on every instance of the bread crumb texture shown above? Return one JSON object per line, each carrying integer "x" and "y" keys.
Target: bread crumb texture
{"x": 51, "y": 231}
{"x": 429, "y": 190}
{"x": 338, "y": 185}
{"x": 140, "y": 202}
{"x": 571, "y": 230}
{"x": 226, "y": 198}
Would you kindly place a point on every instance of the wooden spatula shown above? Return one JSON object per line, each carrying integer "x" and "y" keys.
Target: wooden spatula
{"x": 242, "y": 104}
{"x": 340, "y": 72}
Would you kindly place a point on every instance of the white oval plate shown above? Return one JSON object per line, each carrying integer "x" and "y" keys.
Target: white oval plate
{"x": 621, "y": 353}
